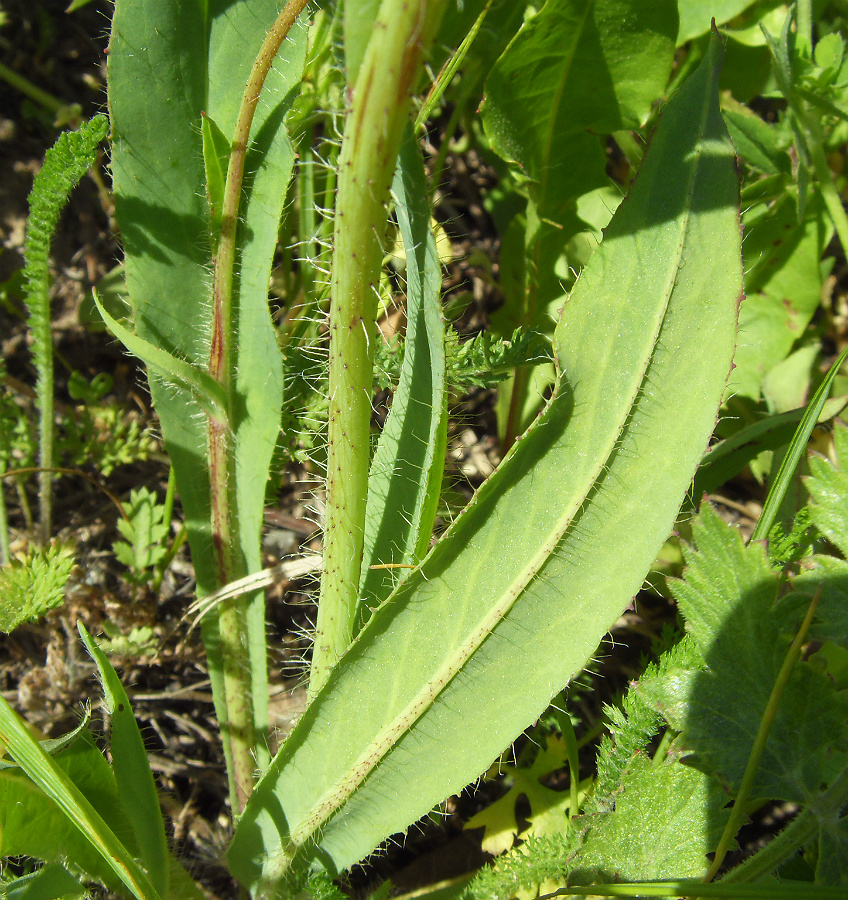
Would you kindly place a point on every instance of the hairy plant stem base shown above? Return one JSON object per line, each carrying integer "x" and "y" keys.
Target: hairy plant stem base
{"x": 375, "y": 123}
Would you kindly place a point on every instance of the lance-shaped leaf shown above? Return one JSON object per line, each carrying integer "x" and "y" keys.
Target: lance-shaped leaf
{"x": 160, "y": 200}
{"x": 406, "y": 472}
{"x": 515, "y": 598}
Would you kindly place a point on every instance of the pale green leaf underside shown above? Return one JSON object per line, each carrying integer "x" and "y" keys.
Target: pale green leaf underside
{"x": 515, "y": 598}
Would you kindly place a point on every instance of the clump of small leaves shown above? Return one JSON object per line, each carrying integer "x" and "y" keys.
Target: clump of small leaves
{"x": 145, "y": 532}
{"x": 33, "y": 584}
{"x": 102, "y": 433}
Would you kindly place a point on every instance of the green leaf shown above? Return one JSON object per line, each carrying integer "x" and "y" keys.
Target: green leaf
{"x": 695, "y": 16}
{"x": 574, "y": 66}
{"x": 66, "y": 807}
{"x": 52, "y": 746}
{"x": 145, "y": 531}
{"x": 359, "y": 18}
{"x": 729, "y": 457}
{"x": 783, "y": 285}
{"x": 160, "y": 205}
{"x": 48, "y": 882}
{"x": 33, "y": 584}
{"x": 666, "y": 820}
{"x": 729, "y": 599}
{"x": 216, "y": 157}
{"x": 516, "y": 596}
{"x": 832, "y": 866}
{"x": 132, "y": 770}
{"x": 827, "y": 577}
{"x": 758, "y": 143}
{"x": 407, "y": 467}
{"x": 202, "y": 387}
{"x": 828, "y": 487}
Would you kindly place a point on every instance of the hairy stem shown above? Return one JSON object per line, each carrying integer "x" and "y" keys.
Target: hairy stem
{"x": 239, "y": 729}
{"x": 378, "y": 112}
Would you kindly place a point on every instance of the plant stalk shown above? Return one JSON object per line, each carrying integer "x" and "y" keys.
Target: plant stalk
{"x": 737, "y": 814}
{"x": 239, "y": 730}
{"x": 375, "y": 122}
{"x": 797, "y": 834}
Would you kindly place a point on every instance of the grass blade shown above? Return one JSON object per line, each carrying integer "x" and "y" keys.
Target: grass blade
{"x": 796, "y": 450}
{"x": 132, "y": 770}
{"x": 42, "y": 769}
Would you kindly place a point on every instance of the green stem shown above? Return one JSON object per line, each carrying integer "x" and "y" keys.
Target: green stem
{"x": 378, "y": 113}
{"x": 28, "y": 89}
{"x": 797, "y": 834}
{"x": 737, "y": 814}
{"x": 815, "y": 145}
{"x": 239, "y": 729}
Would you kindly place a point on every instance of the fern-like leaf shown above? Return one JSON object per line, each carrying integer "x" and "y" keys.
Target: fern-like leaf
{"x": 33, "y": 584}
{"x": 64, "y": 165}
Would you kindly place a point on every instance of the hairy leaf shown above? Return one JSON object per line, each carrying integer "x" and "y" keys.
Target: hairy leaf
{"x": 729, "y": 597}
{"x": 407, "y": 467}
{"x": 666, "y": 819}
{"x": 828, "y": 487}
{"x": 516, "y": 596}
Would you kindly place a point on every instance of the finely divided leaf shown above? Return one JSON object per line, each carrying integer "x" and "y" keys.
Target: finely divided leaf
{"x": 516, "y": 596}
{"x": 33, "y": 583}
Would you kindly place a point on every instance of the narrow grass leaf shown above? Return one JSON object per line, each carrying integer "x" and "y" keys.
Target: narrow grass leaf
{"x": 132, "y": 770}
{"x": 797, "y": 448}
{"x": 54, "y": 782}
{"x": 729, "y": 457}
